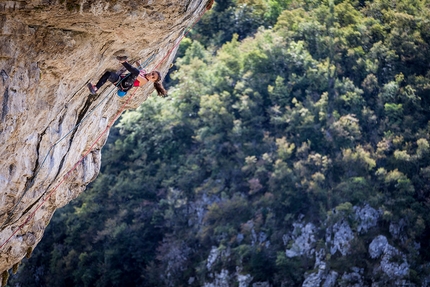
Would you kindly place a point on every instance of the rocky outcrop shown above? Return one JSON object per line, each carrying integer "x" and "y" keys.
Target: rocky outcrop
{"x": 303, "y": 241}
{"x": 366, "y": 217}
{"x": 349, "y": 237}
{"x": 353, "y": 278}
{"x": 51, "y": 130}
{"x": 342, "y": 238}
{"x": 393, "y": 262}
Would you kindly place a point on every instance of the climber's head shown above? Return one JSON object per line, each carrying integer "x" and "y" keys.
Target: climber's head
{"x": 153, "y": 76}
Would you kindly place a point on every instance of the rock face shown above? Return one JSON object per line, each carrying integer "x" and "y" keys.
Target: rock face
{"x": 305, "y": 240}
{"x": 51, "y": 130}
{"x": 392, "y": 267}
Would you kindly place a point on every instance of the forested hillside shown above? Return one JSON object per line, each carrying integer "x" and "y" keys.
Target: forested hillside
{"x": 293, "y": 150}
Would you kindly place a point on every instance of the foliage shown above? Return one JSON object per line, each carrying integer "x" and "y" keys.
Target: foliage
{"x": 324, "y": 108}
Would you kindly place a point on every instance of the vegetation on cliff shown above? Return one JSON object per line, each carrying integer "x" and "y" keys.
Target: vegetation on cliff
{"x": 279, "y": 110}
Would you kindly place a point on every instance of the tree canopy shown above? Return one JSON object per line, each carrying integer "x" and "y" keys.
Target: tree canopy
{"x": 278, "y": 110}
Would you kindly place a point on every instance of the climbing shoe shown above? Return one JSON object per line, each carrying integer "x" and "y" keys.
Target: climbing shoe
{"x": 92, "y": 89}
{"x": 121, "y": 58}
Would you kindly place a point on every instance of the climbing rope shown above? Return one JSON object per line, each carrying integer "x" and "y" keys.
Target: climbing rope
{"x": 66, "y": 175}
{"x": 149, "y": 60}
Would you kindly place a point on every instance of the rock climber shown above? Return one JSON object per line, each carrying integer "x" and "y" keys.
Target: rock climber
{"x": 124, "y": 83}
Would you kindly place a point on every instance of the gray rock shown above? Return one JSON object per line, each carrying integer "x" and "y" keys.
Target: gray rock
{"x": 366, "y": 217}
{"x": 314, "y": 279}
{"x": 342, "y": 235}
{"x": 244, "y": 280}
{"x": 396, "y": 229}
{"x": 286, "y": 238}
{"x": 239, "y": 237}
{"x": 304, "y": 240}
{"x": 393, "y": 262}
{"x": 221, "y": 280}
{"x": 377, "y": 246}
{"x": 330, "y": 279}
{"x": 319, "y": 258}
{"x": 213, "y": 255}
{"x": 262, "y": 237}
{"x": 354, "y": 278}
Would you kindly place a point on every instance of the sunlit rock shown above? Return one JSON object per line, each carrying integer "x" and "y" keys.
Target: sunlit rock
{"x": 51, "y": 129}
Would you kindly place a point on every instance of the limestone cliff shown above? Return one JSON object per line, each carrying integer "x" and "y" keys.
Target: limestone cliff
{"x": 49, "y": 51}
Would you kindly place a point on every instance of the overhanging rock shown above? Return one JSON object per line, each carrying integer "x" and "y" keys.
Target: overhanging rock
{"x": 49, "y": 51}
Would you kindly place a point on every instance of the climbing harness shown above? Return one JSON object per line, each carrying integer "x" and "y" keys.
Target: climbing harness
{"x": 147, "y": 62}
{"x": 89, "y": 150}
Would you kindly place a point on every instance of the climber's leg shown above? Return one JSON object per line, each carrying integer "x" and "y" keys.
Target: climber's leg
{"x": 111, "y": 76}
